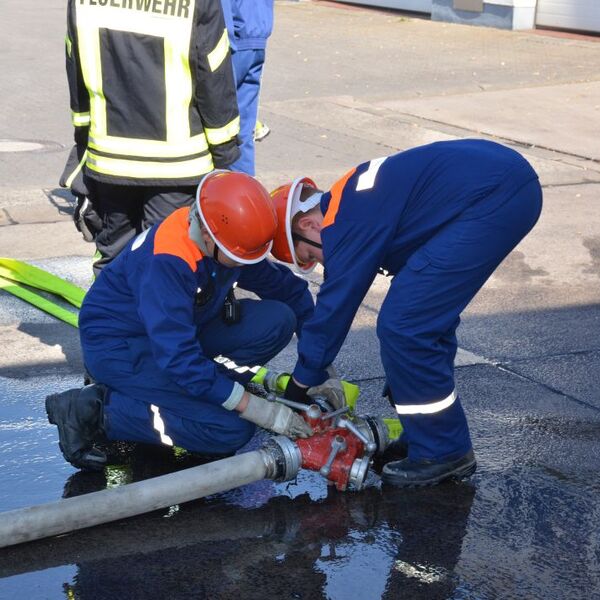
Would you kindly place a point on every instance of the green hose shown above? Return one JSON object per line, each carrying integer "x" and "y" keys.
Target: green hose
{"x": 14, "y": 273}
{"x": 21, "y": 272}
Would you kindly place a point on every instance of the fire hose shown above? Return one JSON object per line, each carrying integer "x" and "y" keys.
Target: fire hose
{"x": 340, "y": 450}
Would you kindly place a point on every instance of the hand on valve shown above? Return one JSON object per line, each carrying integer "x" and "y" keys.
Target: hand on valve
{"x": 331, "y": 389}
{"x": 273, "y": 416}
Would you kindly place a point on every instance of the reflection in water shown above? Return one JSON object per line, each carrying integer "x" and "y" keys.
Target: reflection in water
{"x": 369, "y": 545}
{"x": 38, "y": 584}
{"x": 527, "y": 530}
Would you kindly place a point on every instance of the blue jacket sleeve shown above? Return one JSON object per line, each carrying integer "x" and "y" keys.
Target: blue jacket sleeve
{"x": 165, "y": 305}
{"x": 275, "y": 281}
{"x": 353, "y": 252}
{"x": 227, "y": 7}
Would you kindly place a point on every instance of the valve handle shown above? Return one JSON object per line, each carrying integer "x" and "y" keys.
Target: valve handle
{"x": 335, "y": 413}
{"x": 296, "y": 405}
{"x": 347, "y": 424}
{"x": 337, "y": 445}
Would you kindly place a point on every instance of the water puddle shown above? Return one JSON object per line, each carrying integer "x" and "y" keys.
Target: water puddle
{"x": 518, "y": 529}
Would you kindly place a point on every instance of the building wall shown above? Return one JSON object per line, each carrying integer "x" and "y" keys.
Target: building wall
{"x": 504, "y": 14}
{"x": 569, "y": 14}
{"x": 581, "y": 15}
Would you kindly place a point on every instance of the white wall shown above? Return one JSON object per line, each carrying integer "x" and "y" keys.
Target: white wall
{"x": 570, "y": 14}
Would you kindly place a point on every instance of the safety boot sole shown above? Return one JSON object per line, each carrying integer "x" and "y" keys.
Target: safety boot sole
{"x": 461, "y": 471}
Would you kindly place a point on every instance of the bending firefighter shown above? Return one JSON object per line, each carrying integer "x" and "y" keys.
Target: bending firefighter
{"x": 170, "y": 347}
{"x": 153, "y": 103}
{"x": 438, "y": 219}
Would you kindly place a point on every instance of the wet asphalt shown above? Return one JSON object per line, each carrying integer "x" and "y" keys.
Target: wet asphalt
{"x": 524, "y": 526}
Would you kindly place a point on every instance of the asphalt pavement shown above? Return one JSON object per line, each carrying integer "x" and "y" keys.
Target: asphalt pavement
{"x": 343, "y": 84}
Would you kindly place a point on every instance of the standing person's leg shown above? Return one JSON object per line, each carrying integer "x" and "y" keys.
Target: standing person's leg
{"x": 247, "y": 66}
{"x": 120, "y": 208}
{"x": 160, "y": 202}
{"x": 417, "y": 325}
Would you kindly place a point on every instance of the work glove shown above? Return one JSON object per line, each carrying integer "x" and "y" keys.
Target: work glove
{"x": 275, "y": 417}
{"x": 87, "y": 220}
{"x": 73, "y": 176}
{"x": 331, "y": 390}
{"x": 297, "y": 393}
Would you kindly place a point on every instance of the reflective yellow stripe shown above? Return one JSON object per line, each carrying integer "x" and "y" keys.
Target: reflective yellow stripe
{"x": 218, "y": 55}
{"x": 69, "y": 45}
{"x": 80, "y": 119}
{"x": 178, "y": 84}
{"x": 76, "y": 171}
{"x": 89, "y": 51}
{"x": 426, "y": 409}
{"x": 149, "y": 148}
{"x": 149, "y": 169}
{"x": 223, "y": 134}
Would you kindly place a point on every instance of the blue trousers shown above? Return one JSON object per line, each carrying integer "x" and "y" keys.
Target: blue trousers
{"x": 419, "y": 316}
{"x": 247, "y": 67}
{"x": 146, "y": 405}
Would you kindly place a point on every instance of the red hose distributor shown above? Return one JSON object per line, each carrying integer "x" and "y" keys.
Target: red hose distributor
{"x": 341, "y": 447}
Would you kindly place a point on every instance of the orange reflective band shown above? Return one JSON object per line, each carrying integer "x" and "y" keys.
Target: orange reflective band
{"x": 172, "y": 238}
{"x": 336, "y": 196}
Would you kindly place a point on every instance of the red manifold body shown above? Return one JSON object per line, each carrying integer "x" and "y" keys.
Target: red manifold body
{"x": 331, "y": 452}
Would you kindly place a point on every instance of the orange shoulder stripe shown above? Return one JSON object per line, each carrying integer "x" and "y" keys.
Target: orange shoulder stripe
{"x": 172, "y": 238}
{"x": 336, "y": 196}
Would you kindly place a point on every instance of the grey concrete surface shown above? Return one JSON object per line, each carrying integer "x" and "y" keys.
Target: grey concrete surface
{"x": 342, "y": 85}
{"x": 528, "y": 115}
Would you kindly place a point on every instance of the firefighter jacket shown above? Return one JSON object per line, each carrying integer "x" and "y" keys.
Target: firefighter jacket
{"x": 377, "y": 217}
{"x": 152, "y": 89}
{"x": 162, "y": 287}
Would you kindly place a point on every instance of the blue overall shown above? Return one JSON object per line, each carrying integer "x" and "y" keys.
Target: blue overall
{"x": 439, "y": 219}
{"x": 249, "y": 25}
{"x": 151, "y": 331}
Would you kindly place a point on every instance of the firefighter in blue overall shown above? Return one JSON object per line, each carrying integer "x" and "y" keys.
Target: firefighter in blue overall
{"x": 161, "y": 339}
{"x": 249, "y": 25}
{"x": 438, "y": 219}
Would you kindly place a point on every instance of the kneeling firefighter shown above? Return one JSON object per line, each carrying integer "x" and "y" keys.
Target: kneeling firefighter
{"x": 167, "y": 342}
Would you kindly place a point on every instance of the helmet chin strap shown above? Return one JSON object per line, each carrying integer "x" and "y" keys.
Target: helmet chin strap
{"x": 301, "y": 238}
{"x": 195, "y": 233}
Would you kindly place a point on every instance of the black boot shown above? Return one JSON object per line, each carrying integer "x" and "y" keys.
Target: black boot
{"x": 408, "y": 473}
{"x": 395, "y": 451}
{"x": 79, "y": 416}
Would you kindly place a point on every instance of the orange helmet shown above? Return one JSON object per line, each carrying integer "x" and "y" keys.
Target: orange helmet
{"x": 238, "y": 214}
{"x": 287, "y": 204}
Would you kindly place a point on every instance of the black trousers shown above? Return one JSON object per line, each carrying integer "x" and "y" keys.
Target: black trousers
{"x": 126, "y": 211}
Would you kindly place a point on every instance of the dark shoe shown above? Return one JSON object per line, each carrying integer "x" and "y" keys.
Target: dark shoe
{"x": 78, "y": 414}
{"x": 407, "y": 473}
{"x": 395, "y": 451}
